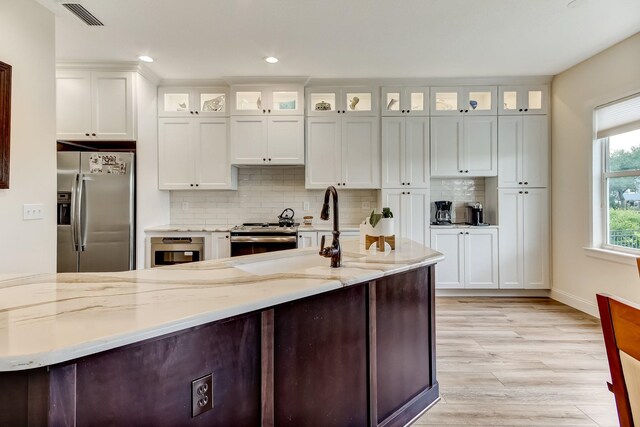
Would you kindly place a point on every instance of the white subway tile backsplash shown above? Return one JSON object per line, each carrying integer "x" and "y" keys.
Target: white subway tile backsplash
{"x": 459, "y": 191}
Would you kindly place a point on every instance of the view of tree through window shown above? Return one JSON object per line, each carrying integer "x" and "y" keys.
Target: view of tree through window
{"x": 622, "y": 176}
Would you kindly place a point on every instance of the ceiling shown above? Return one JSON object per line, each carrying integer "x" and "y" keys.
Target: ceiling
{"x": 209, "y": 39}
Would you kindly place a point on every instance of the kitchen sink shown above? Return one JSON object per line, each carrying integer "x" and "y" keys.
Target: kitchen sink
{"x": 297, "y": 264}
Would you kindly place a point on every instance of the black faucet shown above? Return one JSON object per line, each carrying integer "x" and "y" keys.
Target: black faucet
{"x": 332, "y": 251}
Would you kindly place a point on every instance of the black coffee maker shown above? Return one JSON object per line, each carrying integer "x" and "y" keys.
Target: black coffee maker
{"x": 443, "y": 212}
{"x": 475, "y": 214}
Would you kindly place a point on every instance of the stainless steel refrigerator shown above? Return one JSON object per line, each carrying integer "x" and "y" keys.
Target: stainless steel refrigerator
{"x": 96, "y": 211}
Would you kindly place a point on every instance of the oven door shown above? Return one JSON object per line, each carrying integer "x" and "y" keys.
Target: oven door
{"x": 243, "y": 244}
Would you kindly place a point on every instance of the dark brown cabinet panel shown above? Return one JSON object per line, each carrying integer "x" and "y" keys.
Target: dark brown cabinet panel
{"x": 403, "y": 335}
{"x": 150, "y": 384}
{"x": 320, "y": 360}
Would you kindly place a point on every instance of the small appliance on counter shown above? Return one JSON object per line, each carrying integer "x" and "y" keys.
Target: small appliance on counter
{"x": 443, "y": 212}
{"x": 285, "y": 219}
{"x": 475, "y": 215}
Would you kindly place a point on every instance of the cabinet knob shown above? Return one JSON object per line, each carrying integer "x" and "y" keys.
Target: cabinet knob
{"x": 226, "y": 237}
{"x": 519, "y": 192}
{"x": 403, "y": 192}
{"x": 403, "y": 111}
{"x": 191, "y": 112}
{"x": 408, "y": 111}
{"x": 526, "y": 109}
{"x": 408, "y": 192}
{"x": 520, "y": 110}
{"x": 466, "y": 171}
{"x": 526, "y": 183}
{"x": 462, "y": 111}
{"x": 338, "y": 184}
{"x": 526, "y": 192}
{"x": 461, "y": 171}
{"x": 466, "y": 111}
{"x": 461, "y": 232}
{"x": 264, "y": 111}
{"x": 466, "y": 232}
{"x": 268, "y": 111}
{"x": 86, "y": 134}
{"x": 269, "y": 158}
{"x": 408, "y": 183}
{"x": 344, "y": 183}
{"x": 403, "y": 183}
{"x": 343, "y": 111}
{"x": 520, "y": 183}
{"x": 338, "y": 111}
{"x": 93, "y": 134}
{"x": 264, "y": 159}
{"x": 197, "y": 185}
{"x": 197, "y": 112}
{"x": 191, "y": 185}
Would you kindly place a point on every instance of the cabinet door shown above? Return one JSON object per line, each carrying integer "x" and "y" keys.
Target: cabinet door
{"x": 449, "y": 274}
{"x": 479, "y": 100}
{"x": 510, "y": 218}
{"x": 210, "y": 102}
{"x": 415, "y": 216}
{"x": 324, "y": 152}
{"x": 446, "y": 144}
{"x": 360, "y": 152}
{"x": 307, "y": 239}
{"x": 176, "y": 102}
{"x": 393, "y": 152}
{"x": 481, "y": 259}
{"x": 176, "y": 163}
{"x": 535, "y": 151}
{"x": 359, "y": 101}
{"x": 214, "y": 170}
{"x": 535, "y": 99}
{"x": 286, "y": 100}
{"x": 536, "y": 238}
{"x": 249, "y": 140}
{"x": 221, "y": 245}
{"x": 416, "y": 101}
{"x": 113, "y": 107}
{"x": 322, "y": 101}
{"x": 73, "y": 105}
{"x": 416, "y": 143}
{"x": 249, "y": 100}
{"x": 393, "y": 102}
{"x": 285, "y": 140}
{"x": 480, "y": 147}
{"x": 446, "y": 101}
{"x": 510, "y": 151}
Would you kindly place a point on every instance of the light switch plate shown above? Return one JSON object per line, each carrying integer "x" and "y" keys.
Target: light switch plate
{"x": 305, "y": 206}
{"x": 33, "y": 211}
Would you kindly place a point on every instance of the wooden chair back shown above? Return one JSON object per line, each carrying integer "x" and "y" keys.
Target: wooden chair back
{"x": 621, "y": 328}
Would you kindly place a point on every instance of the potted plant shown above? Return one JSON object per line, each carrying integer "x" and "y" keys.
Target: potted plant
{"x": 381, "y": 223}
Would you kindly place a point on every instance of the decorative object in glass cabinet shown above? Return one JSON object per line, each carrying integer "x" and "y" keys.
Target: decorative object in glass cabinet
{"x": 249, "y": 101}
{"x": 359, "y": 101}
{"x": 323, "y": 101}
{"x": 176, "y": 102}
{"x": 510, "y": 100}
{"x": 480, "y": 101}
{"x": 284, "y": 101}
{"x": 393, "y": 103}
{"x": 417, "y": 101}
{"x": 446, "y": 101}
{"x": 212, "y": 102}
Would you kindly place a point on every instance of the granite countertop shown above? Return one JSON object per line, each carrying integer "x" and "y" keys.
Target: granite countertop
{"x": 224, "y": 228}
{"x": 52, "y": 318}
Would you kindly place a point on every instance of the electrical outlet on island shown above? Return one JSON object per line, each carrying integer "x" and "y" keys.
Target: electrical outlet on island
{"x": 201, "y": 395}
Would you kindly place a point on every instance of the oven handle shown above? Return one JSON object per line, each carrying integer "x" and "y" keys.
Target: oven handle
{"x": 263, "y": 239}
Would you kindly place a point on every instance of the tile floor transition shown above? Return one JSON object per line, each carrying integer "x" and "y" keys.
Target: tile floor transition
{"x": 519, "y": 362}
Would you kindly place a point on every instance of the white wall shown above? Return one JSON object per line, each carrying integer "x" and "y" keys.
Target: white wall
{"x": 152, "y": 204}
{"x": 27, "y": 43}
{"x": 577, "y": 277}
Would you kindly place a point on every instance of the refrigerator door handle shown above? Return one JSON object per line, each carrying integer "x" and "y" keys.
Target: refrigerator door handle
{"x": 82, "y": 242}
{"x": 74, "y": 213}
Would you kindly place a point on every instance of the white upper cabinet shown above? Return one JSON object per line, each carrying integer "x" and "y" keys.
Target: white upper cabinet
{"x": 343, "y": 151}
{"x": 456, "y": 100}
{"x": 403, "y": 101}
{"x": 405, "y": 152}
{"x": 95, "y": 105}
{"x": 523, "y": 152}
{"x": 194, "y": 154}
{"x": 524, "y": 99}
{"x": 464, "y": 146}
{"x": 262, "y": 140}
{"x": 193, "y": 102}
{"x": 323, "y": 101}
{"x": 258, "y": 100}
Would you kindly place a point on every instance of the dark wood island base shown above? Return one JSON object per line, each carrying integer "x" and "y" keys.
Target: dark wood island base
{"x": 363, "y": 355}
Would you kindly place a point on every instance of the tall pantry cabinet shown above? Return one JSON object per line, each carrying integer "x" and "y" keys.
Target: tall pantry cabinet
{"x": 522, "y": 189}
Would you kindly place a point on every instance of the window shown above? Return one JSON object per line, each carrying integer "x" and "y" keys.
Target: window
{"x": 618, "y": 137}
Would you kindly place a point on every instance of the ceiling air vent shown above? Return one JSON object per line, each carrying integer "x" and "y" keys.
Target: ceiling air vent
{"x": 83, "y": 14}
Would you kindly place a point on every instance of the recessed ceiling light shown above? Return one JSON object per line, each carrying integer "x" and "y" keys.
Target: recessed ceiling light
{"x": 145, "y": 58}
{"x": 271, "y": 59}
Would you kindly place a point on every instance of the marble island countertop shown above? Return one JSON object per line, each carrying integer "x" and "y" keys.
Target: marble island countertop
{"x": 52, "y": 318}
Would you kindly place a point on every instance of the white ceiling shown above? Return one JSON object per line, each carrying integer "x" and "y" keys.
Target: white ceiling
{"x": 208, "y": 39}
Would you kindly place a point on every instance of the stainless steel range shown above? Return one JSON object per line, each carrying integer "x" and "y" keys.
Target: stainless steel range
{"x": 254, "y": 238}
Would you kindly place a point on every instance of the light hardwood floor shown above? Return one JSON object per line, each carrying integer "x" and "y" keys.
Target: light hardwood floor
{"x": 519, "y": 362}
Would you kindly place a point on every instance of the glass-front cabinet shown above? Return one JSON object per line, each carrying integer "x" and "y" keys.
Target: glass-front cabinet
{"x": 523, "y": 99}
{"x": 194, "y": 102}
{"x": 402, "y": 101}
{"x": 451, "y": 101}
{"x": 322, "y": 101}
{"x": 267, "y": 99}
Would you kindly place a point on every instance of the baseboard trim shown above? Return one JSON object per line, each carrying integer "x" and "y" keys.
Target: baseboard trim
{"x": 575, "y": 302}
{"x": 492, "y": 293}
